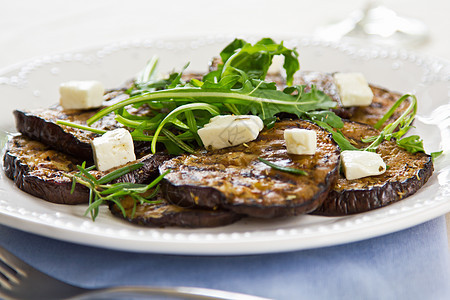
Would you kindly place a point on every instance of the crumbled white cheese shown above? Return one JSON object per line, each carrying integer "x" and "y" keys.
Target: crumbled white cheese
{"x": 353, "y": 89}
{"x": 81, "y": 94}
{"x": 300, "y": 141}
{"x": 228, "y": 130}
{"x": 277, "y": 65}
{"x": 113, "y": 149}
{"x": 358, "y": 164}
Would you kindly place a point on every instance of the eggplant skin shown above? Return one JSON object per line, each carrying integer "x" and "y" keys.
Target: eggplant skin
{"x": 406, "y": 174}
{"x": 234, "y": 179}
{"x": 165, "y": 214}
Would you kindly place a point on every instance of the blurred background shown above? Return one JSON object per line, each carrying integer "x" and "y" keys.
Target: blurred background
{"x": 36, "y": 28}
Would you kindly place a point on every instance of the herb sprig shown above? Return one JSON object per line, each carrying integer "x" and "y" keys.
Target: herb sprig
{"x": 283, "y": 169}
{"x": 403, "y": 124}
{"x": 102, "y": 191}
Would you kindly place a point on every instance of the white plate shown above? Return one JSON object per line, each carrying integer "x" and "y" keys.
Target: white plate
{"x": 35, "y": 84}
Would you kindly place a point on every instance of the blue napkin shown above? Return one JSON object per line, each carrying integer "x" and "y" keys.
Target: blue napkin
{"x": 410, "y": 264}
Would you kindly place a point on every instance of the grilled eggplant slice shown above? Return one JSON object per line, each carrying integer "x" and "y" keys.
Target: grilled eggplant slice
{"x": 41, "y": 171}
{"x": 40, "y": 125}
{"x": 164, "y": 214}
{"x": 406, "y": 174}
{"x": 234, "y": 179}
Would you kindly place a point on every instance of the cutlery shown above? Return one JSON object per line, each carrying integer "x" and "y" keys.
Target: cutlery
{"x": 19, "y": 280}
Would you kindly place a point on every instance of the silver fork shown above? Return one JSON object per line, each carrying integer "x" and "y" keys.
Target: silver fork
{"x": 19, "y": 280}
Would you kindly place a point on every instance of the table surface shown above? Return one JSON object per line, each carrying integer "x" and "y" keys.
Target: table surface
{"x": 32, "y": 29}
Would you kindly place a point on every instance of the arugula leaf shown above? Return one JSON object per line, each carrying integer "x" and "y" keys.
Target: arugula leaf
{"x": 263, "y": 102}
{"x": 327, "y": 117}
{"x": 148, "y": 72}
{"x": 79, "y": 126}
{"x": 235, "y": 93}
{"x": 411, "y": 144}
{"x": 231, "y": 48}
{"x": 434, "y": 155}
{"x": 256, "y": 59}
{"x": 404, "y": 122}
{"x": 177, "y": 80}
{"x": 145, "y": 81}
{"x": 174, "y": 113}
{"x": 237, "y": 87}
{"x": 338, "y": 137}
{"x": 174, "y": 139}
{"x": 226, "y": 82}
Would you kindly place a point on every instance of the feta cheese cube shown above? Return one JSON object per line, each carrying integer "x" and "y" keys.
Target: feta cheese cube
{"x": 228, "y": 130}
{"x": 81, "y": 94}
{"x": 358, "y": 164}
{"x": 113, "y": 149}
{"x": 300, "y": 141}
{"x": 353, "y": 89}
{"x": 277, "y": 65}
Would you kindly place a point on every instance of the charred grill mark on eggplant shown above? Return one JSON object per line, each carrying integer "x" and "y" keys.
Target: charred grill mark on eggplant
{"x": 406, "y": 174}
{"x": 214, "y": 179}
